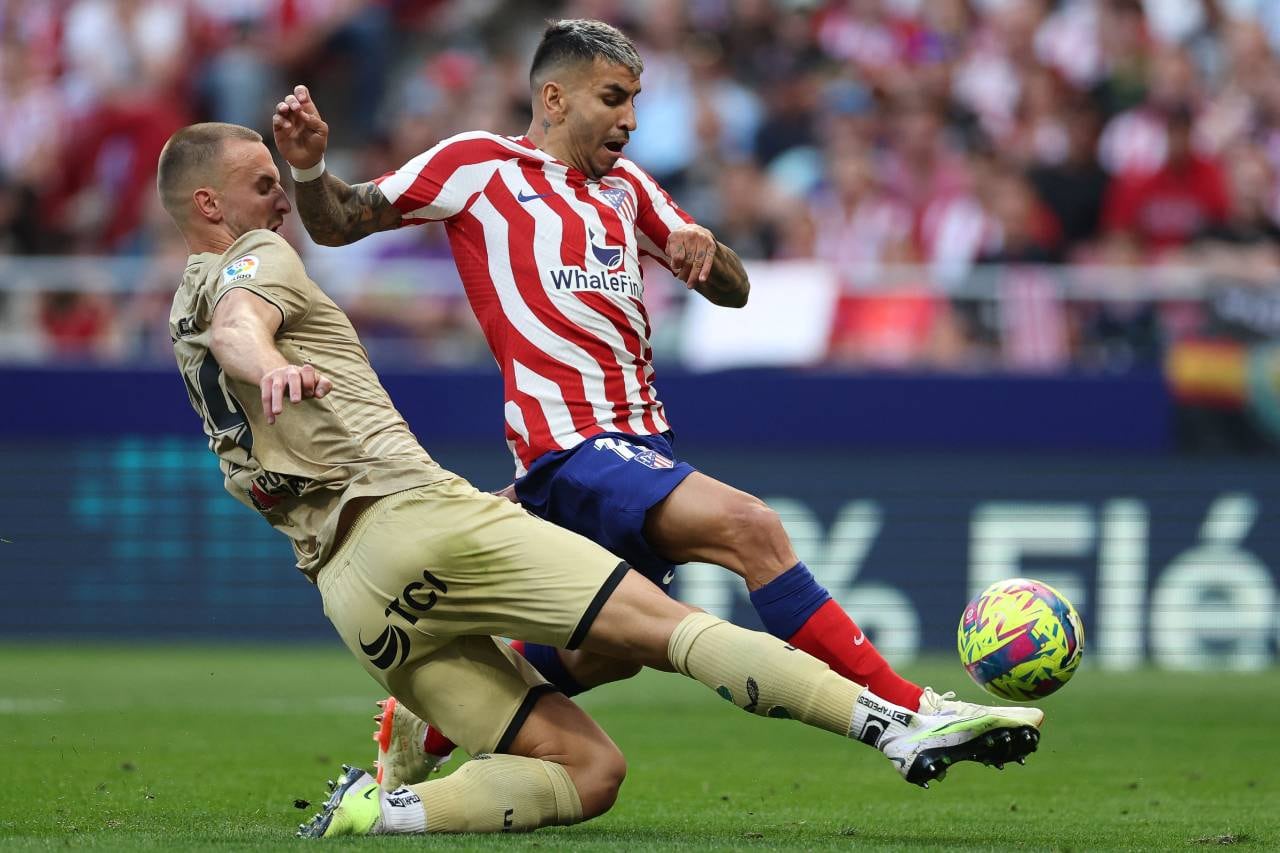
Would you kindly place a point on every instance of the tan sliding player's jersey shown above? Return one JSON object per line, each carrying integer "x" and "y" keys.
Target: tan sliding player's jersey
{"x": 301, "y": 470}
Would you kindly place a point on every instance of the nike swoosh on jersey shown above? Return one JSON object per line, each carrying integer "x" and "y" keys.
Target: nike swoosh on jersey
{"x": 860, "y": 639}
{"x": 668, "y": 577}
{"x": 522, "y": 198}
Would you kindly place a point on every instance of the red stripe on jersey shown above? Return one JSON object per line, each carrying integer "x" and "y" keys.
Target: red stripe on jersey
{"x": 615, "y": 228}
{"x": 573, "y": 249}
{"x": 535, "y": 421}
{"x": 621, "y": 405}
{"x": 504, "y": 341}
{"x": 573, "y": 241}
{"x": 427, "y": 185}
{"x": 521, "y": 233}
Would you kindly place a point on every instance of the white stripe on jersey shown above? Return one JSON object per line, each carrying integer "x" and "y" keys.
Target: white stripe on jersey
{"x": 651, "y": 248}
{"x": 522, "y": 317}
{"x": 547, "y": 393}
{"x": 453, "y": 195}
{"x": 398, "y": 182}
{"x": 582, "y": 314}
{"x": 515, "y": 420}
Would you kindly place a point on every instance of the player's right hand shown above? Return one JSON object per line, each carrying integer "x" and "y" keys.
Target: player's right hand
{"x": 301, "y": 381}
{"x": 301, "y": 135}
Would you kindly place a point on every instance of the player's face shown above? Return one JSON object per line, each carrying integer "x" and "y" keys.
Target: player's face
{"x": 601, "y": 115}
{"x": 251, "y": 195}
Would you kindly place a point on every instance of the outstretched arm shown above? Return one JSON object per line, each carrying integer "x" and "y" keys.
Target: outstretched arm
{"x": 334, "y": 212}
{"x": 243, "y": 343}
{"x": 709, "y": 267}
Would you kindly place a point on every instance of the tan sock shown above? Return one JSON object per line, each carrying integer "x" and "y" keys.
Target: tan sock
{"x": 500, "y": 793}
{"x": 765, "y": 676}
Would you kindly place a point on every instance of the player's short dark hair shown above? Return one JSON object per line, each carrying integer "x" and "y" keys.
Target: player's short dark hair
{"x": 577, "y": 40}
{"x": 188, "y": 157}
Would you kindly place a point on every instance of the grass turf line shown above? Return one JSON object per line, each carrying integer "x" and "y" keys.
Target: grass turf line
{"x": 207, "y": 748}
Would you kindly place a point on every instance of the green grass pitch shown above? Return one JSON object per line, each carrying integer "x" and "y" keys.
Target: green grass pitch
{"x": 207, "y": 748}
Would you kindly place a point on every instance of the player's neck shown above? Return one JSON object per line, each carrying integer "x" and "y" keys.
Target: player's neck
{"x": 553, "y": 145}
{"x": 214, "y": 242}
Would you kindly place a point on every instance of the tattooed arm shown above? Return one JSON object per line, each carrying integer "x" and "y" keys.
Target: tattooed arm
{"x": 336, "y": 213}
{"x": 707, "y": 266}
{"x": 727, "y": 284}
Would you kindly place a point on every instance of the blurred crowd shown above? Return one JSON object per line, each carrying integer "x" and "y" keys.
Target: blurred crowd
{"x": 870, "y": 134}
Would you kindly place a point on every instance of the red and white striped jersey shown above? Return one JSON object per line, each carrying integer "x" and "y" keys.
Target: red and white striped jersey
{"x": 551, "y": 265}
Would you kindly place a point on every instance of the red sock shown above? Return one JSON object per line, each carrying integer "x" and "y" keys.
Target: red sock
{"x": 831, "y": 636}
{"x": 434, "y": 742}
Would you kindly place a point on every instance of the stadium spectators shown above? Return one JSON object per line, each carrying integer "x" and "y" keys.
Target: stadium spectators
{"x": 1172, "y": 204}
{"x": 944, "y": 133}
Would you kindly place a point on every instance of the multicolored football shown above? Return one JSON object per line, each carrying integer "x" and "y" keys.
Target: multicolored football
{"x": 1020, "y": 639}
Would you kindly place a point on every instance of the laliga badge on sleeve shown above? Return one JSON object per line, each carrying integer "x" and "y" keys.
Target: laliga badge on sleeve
{"x": 241, "y": 269}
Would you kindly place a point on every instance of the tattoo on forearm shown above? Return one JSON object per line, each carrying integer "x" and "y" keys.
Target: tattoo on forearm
{"x": 727, "y": 283}
{"x": 336, "y": 213}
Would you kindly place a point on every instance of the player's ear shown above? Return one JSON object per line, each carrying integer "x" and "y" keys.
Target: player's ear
{"x": 208, "y": 204}
{"x": 554, "y": 101}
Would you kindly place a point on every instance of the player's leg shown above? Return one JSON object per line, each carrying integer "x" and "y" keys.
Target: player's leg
{"x": 410, "y": 750}
{"x": 499, "y": 571}
{"x": 763, "y": 675}
{"x": 539, "y": 760}
{"x": 766, "y": 676}
{"x": 405, "y": 591}
{"x": 600, "y": 489}
{"x": 633, "y": 496}
{"x": 705, "y": 520}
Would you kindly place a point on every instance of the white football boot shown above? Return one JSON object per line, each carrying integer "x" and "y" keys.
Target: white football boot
{"x": 943, "y": 704}
{"x": 933, "y": 742}
{"x": 402, "y": 738}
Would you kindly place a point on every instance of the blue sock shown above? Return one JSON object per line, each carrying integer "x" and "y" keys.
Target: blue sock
{"x": 786, "y": 602}
{"x": 546, "y": 660}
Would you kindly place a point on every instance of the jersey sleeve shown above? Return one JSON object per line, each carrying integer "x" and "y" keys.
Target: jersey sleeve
{"x": 263, "y": 263}
{"x": 657, "y": 214}
{"x": 440, "y": 183}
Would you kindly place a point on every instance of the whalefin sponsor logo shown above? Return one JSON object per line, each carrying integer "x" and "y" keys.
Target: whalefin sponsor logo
{"x": 607, "y": 255}
{"x": 613, "y": 279}
{"x": 578, "y": 279}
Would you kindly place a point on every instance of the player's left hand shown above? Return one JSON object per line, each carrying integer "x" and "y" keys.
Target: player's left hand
{"x": 691, "y": 249}
{"x": 300, "y": 381}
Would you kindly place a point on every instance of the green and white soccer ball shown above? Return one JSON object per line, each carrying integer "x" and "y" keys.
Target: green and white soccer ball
{"x": 1020, "y": 639}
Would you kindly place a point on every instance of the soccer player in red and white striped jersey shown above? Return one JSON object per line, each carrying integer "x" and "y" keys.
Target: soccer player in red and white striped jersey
{"x": 547, "y": 231}
{"x": 550, "y": 257}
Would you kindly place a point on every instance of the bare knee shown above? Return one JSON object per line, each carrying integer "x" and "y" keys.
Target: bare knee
{"x": 559, "y": 731}
{"x": 598, "y": 775}
{"x": 756, "y": 537}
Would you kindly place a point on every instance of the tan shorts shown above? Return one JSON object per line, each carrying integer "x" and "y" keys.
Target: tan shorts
{"x": 427, "y": 578}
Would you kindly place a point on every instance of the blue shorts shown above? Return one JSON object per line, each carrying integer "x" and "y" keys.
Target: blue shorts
{"x": 602, "y": 490}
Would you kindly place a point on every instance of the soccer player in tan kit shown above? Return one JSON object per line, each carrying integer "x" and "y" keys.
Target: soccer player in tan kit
{"x": 419, "y": 572}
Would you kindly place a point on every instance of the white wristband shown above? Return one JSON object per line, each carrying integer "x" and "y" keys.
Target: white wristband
{"x": 308, "y": 174}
